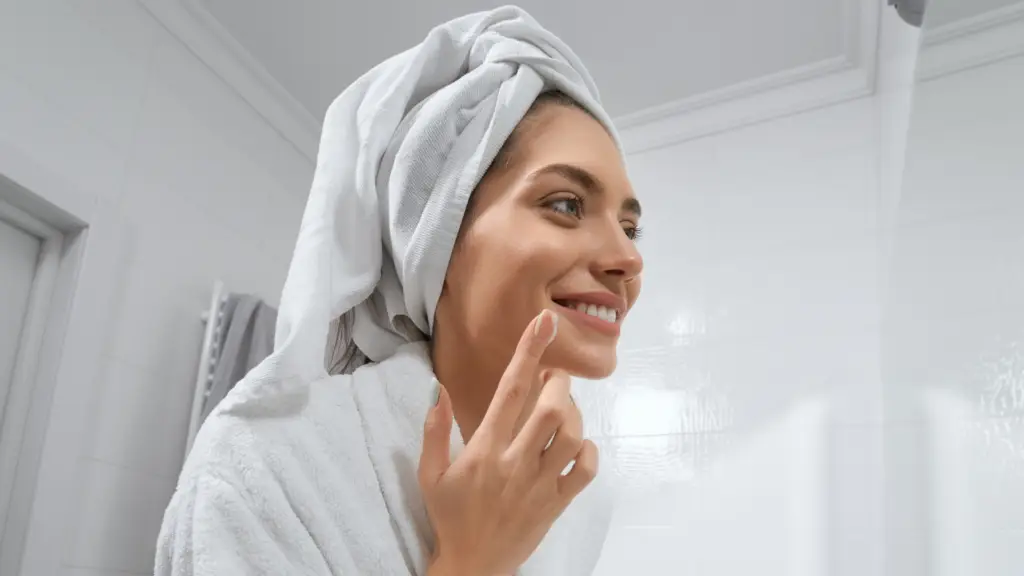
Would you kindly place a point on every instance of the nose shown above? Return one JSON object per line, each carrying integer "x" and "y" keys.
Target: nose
{"x": 617, "y": 256}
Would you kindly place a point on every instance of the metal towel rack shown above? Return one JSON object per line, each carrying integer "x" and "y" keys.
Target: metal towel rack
{"x": 213, "y": 319}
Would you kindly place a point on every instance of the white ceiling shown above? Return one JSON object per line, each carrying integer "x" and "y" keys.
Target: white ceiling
{"x": 643, "y": 53}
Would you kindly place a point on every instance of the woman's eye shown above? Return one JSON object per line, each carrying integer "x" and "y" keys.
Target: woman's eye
{"x": 571, "y": 206}
{"x": 633, "y": 232}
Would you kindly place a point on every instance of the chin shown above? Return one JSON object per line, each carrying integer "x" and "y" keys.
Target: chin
{"x": 589, "y": 362}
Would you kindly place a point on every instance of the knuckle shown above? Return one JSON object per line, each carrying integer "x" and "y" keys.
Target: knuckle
{"x": 506, "y": 463}
{"x": 568, "y": 414}
{"x": 573, "y": 440}
{"x": 475, "y": 464}
{"x": 551, "y": 416}
{"x": 560, "y": 380}
{"x": 514, "y": 393}
{"x": 587, "y": 470}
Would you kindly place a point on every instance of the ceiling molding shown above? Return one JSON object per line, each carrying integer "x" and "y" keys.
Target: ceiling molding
{"x": 971, "y": 42}
{"x": 849, "y": 76}
{"x": 846, "y": 77}
{"x": 193, "y": 24}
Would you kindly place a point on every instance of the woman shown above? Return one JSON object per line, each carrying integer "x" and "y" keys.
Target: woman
{"x": 470, "y": 223}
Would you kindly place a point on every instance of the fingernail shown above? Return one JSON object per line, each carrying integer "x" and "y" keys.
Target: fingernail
{"x": 436, "y": 385}
{"x": 547, "y": 316}
{"x": 540, "y": 322}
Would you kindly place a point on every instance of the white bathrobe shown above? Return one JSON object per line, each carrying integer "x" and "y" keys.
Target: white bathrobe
{"x": 297, "y": 472}
{"x": 317, "y": 492}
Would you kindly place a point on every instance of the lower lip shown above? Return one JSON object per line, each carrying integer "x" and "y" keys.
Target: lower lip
{"x": 584, "y": 319}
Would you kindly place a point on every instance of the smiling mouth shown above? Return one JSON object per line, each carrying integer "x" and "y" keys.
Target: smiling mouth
{"x": 610, "y": 315}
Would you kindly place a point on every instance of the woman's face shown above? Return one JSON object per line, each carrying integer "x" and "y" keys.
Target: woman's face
{"x": 555, "y": 229}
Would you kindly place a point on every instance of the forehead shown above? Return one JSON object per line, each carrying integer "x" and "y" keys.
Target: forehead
{"x": 563, "y": 135}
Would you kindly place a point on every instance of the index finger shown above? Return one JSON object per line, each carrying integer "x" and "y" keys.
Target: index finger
{"x": 520, "y": 376}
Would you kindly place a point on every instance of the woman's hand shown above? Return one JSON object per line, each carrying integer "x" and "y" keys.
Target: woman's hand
{"x": 493, "y": 505}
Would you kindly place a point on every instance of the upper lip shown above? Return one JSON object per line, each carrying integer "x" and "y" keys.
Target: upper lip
{"x": 606, "y": 299}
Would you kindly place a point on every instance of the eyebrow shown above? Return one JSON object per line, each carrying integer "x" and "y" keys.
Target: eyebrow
{"x": 588, "y": 182}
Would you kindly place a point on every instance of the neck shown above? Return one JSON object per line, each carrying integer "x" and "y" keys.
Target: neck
{"x": 470, "y": 375}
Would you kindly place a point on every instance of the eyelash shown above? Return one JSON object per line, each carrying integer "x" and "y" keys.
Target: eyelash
{"x": 632, "y": 232}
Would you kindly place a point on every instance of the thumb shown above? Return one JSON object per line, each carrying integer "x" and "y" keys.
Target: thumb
{"x": 437, "y": 432}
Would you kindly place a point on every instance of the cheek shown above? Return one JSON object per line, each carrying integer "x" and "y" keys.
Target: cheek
{"x": 502, "y": 277}
{"x": 517, "y": 246}
{"x": 513, "y": 265}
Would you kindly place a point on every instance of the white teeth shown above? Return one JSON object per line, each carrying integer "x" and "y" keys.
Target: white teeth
{"x": 606, "y": 314}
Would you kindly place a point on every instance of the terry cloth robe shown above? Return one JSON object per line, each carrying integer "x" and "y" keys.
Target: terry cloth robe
{"x": 332, "y": 489}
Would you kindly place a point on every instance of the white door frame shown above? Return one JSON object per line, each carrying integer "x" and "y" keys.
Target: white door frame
{"x": 15, "y": 409}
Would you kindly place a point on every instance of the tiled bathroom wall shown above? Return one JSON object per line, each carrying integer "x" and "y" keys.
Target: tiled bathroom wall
{"x": 754, "y": 343}
{"x": 953, "y": 338}
{"x": 744, "y": 424}
{"x": 181, "y": 183}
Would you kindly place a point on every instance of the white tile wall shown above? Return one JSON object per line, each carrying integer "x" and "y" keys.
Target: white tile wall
{"x": 744, "y": 425}
{"x": 753, "y": 344}
{"x": 182, "y": 183}
{"x": 953, "y": 343}
{"x": 119, "y": 517}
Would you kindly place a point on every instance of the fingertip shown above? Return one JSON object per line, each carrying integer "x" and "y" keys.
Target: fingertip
{"x": 435, "y": 384}
{"x": 438, "y": 412}
{"x": 444, "y": 404}
{"x": 591, "y": 448}
{"x": 545, "y": 327}
{"x": 437, "y": 427}
{"x": 584, "y": 470}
